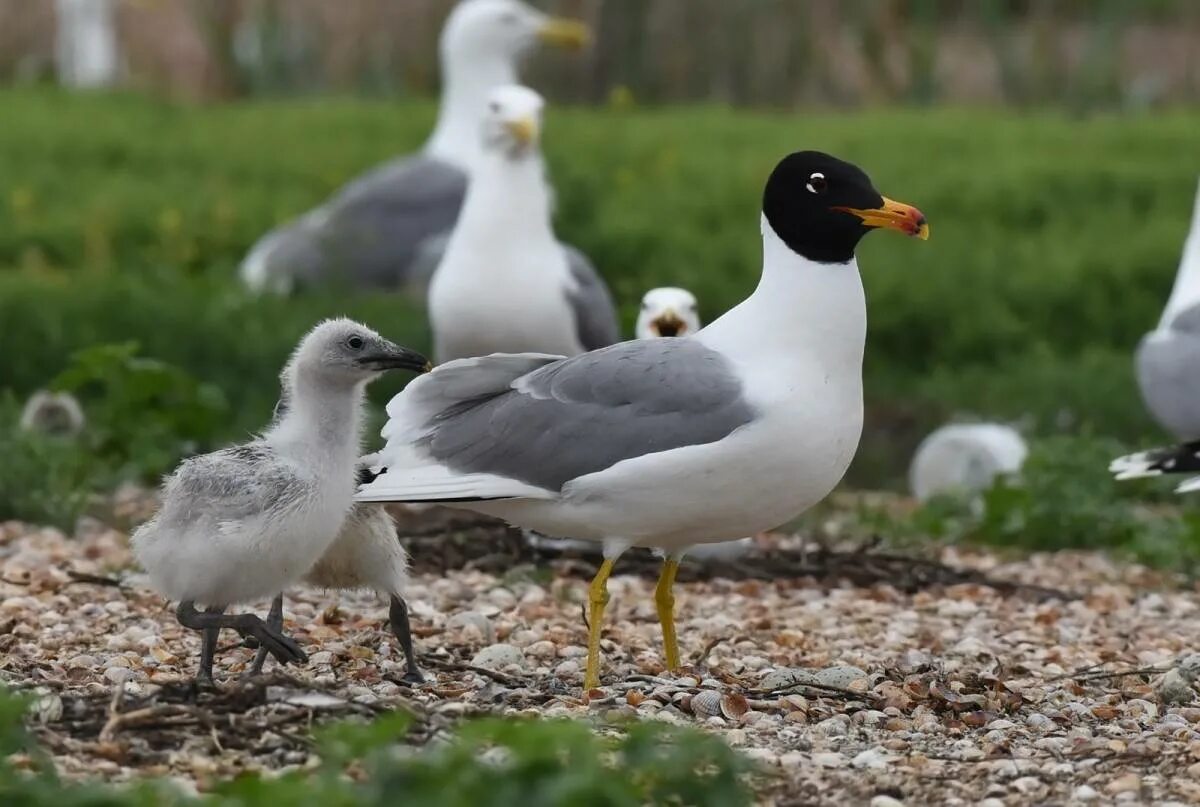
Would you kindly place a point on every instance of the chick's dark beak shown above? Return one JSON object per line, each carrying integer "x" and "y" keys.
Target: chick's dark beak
{"x": 394, "y": 357}
{"x": 669, "y": 324}
{"x": 893, "y": 215}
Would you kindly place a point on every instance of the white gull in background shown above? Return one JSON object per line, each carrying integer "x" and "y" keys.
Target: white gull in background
{"x": 667, "y": 311}
{"x": 1168, "y": 358}
{"x": 668, "y": 443}
{"x": 965, "y": 458}
{"x": 380, "y": 226}
{"x": 87, "y": 52}
{"x": 246, "y": 521}
{"x": 505, "y": 284}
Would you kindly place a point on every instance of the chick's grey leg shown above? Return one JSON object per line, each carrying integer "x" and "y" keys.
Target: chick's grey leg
{"x": 275, "y": 623}
{"x": 399, "y": 619}
{"x": 208, "y": 649}
{"x": 281, "y": 647}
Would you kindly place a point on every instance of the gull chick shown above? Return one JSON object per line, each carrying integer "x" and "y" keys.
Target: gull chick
{"x": 367, "y": 554}
{"x": 505, "y": 283}
{"x": 242, "y": 523}
{"x": 668, "y": 443}
{"x": 667, "y": 311}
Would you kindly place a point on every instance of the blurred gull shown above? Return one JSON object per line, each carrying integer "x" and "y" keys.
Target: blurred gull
{"x": 56, "y": 413}
{"x": 86, "y": 53}
{"x": 381, "y": 225}
{"x": 667, "y": 311}
{"x": 243, "y": 522}
{"x": 965, "y": 458}
{"x": 505, "y": 283}
{"x": 1168, "y": 358}
{"x": 668, "y": 443}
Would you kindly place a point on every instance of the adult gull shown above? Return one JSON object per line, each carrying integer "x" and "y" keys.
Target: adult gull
{"x": 668, "y": 443}
{"x": 378, "y": 227}
{"x": 667, "y": 311}
{"x": 505, "y": 283}
{"x": 1168, "y": 359}
{"x": 242, "y": 523}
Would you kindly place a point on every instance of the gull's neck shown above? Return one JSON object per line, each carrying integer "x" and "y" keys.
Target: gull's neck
{"x": 1186, "y": 291}
{"x": 507, "y": 205}
{"x": 467, "y": 80}
{"x": 802, "y": 312}
{"x": 322, "y": 426}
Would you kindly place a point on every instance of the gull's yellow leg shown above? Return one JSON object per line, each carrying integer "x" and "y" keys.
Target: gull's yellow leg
{"x": 664, "y": 599}
{"x": 597, "y": 599}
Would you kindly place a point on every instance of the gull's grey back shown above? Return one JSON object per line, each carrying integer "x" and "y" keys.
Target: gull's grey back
{"x": 369, "y": 234}
{"x": 584, "y": 414}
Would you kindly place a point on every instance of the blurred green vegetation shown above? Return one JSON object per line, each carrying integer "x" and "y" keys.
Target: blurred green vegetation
{"x": 1064, "y": 498}
{"x": 1054, "y": 241}
{"x": 489, "y": 762}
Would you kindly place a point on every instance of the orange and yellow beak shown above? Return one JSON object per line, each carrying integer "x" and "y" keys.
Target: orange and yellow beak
{"x": 523, "y": 130}
{"x": 894, "y": 216}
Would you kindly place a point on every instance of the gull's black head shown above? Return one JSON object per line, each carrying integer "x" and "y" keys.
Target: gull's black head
{"x": 821, "y": 207}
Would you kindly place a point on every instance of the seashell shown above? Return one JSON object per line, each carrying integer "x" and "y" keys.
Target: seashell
{"x": 733, "y": 706}
{"x": 706, "y": 703}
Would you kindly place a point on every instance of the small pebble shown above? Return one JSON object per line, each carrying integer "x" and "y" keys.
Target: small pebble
{"x": 829, "y": 759}
{"x": 499, "y": 656}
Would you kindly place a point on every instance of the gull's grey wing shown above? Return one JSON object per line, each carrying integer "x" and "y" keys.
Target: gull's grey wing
{"x": 230, "y": 484}
{"x": 1187, "y": 321}
{"x": 581, "y": 415}
{"x": 368, "y": 234}
{"x": 595, "y": 314}
{"x": 1167, "y": 365}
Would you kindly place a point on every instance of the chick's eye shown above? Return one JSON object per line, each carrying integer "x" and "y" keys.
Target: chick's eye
{"x": 817, "y": 184}
{"x": 355, "y": 343}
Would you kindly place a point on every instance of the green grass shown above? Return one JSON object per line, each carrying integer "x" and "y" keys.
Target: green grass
{"x": 1054, "y": 240}
{"x": 488, "y": 763}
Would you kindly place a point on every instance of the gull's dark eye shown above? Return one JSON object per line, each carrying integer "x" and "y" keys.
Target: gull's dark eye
{"x": 355, "y": 343}
{"x": 494, "y": 106}
{"x": 509, "y": 18}
{"x": 817, "y": 183}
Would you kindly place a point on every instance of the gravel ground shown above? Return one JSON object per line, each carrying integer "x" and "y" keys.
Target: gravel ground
{"x": 952, "y": 694}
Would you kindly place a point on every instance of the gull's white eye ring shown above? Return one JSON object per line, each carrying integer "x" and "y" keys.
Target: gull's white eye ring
{"x": 817, "y": 183}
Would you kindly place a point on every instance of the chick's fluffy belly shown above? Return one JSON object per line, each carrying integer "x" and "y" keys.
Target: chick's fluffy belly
{"x": 286, "y": 543}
